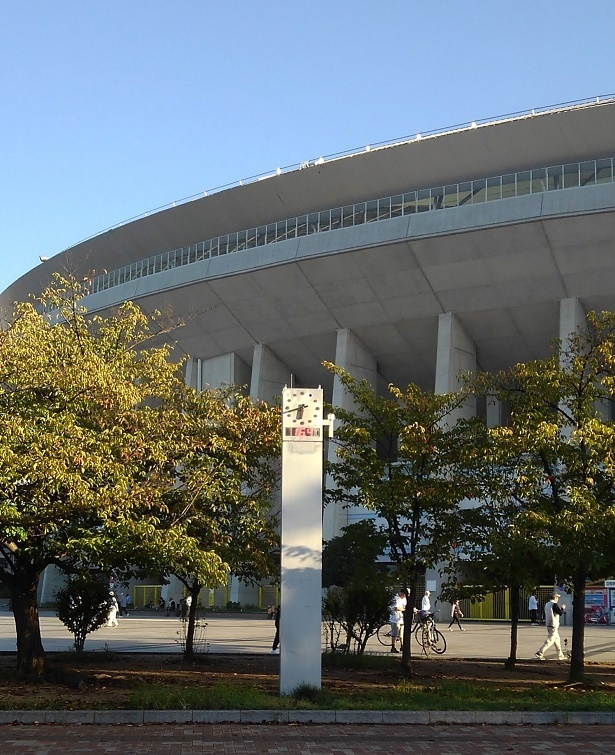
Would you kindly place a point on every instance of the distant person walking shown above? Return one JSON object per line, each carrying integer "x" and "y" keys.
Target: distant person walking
{"x": 532, "y": 606}
{"x": 275, "y": 648}
{"x": 552, "y": 613}
{"x": 455, "y": 616}
{"x": 123, "y": 604}
{"x": 113, "y": 610}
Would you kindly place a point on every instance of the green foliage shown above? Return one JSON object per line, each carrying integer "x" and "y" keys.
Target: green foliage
{"x": 107, "y": 458}
{"x": 353, "y": 555}
{"x": 406, "y": 458}
{"x": 360, "y": 588}
{"x": 218, "y": 513}
{"x": 307, "y": 692}
{"x": 556, "y": 460}
{"x": 83, "y": 605}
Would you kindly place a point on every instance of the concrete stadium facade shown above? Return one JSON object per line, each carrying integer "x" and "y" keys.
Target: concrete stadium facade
{"x": 470, "y": 248}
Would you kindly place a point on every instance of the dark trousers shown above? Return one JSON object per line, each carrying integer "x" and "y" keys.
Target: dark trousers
{"x": 455, "y": 620}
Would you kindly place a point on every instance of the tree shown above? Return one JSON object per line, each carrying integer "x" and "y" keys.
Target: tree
{"x": 90, "y": 428}
{"x": 398, "y": 457}
{"x": 220, "y": 508}
{"x": 83, "y": 605}
{"x": 561, "y": 447}
{"x": 496, "y": 552}
{"x": 359, "y": 585}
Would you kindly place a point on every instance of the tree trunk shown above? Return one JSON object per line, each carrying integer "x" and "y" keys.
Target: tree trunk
{"x": 514, "y": 591}
{"x": 30, "y": 652}
{"x": 406, "y": 650}
{"x": 193, "y": 591}
{"x": 577, "y": 661}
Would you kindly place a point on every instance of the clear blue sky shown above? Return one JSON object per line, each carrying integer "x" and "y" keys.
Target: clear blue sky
{"x": 110, "y": 109}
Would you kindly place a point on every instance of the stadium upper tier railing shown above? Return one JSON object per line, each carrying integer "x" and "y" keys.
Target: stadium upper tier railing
{"x": 534, "y": 181}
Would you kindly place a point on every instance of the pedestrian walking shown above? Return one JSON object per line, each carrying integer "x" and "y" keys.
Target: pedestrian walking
{"x": 455, "y": 616}
{"x": 113, "y": 610}
{"x": 275, "y": 649}
{"x": 123, "y": 604}
{"x": 552, "y": 613}
{"x": 532, "y": 605}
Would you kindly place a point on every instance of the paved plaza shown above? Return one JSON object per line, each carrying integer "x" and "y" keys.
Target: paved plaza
{"x": 231, "y": 739}
{"x": 238, "y": 732}
{"x": 249, "y": 633}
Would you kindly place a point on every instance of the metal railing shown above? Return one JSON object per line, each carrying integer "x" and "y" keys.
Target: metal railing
{"x": 478, "y": 191}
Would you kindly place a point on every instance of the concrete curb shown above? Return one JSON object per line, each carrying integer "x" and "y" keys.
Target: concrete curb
{"x": 346, "y": 717}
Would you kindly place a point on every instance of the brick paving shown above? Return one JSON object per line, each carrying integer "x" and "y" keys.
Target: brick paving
{"x": 301, "y": 739}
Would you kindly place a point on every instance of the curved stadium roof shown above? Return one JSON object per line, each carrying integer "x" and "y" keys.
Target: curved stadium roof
{"x": 496, "y": 222}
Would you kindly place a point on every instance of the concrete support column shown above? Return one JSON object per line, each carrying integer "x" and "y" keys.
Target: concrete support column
{"x": 571, "y": 318}
{"x": 269, "y": 375}
{"x": 352, "y": 355}
{"x": 456, "y": 352}
{"x": 227, "y": 369}
{"x": 495, "y": 413}
{"x": 174, "y": 589}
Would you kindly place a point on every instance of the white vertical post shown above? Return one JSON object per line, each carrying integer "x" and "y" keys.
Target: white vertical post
{"x": 301, "y": 558}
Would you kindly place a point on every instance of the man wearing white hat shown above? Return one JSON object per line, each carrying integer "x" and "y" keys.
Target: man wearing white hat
{"x": 552, "y": 613}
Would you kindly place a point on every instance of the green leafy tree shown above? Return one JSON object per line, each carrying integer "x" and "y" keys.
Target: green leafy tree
{"x": 403, "y": 458}
{"x": 359, "y": 585}
{"x": 90, "y": 429}
{"x": 83, "y": 605}
{"x": 496, "y": 552}
{"x": 560, "y": 443}
{"x": 220, "y": 509}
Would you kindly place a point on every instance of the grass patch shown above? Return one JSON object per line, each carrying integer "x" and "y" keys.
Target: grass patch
{"x": 441, "y": 695}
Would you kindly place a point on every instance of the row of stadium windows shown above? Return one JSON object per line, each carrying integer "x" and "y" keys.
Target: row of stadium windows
{"x": 537, "y": 180}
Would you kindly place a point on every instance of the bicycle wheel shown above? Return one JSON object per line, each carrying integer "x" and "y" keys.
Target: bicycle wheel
{"x": 384, "y": 634}
{"x": 438, "y": 642}
{"x": 426, "y": 641}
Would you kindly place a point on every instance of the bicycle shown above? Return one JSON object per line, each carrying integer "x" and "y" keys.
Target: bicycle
{"x": 384, "y": 636}
{"x": 429, "y": 637}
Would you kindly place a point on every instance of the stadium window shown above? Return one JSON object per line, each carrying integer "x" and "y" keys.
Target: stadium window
{"x": 494, "y": 188}
{"x": 571, "y": 176}
{"x": 396, "y": 206}
{"x": 451, "y": 195}
{"x": 587, "y": 171}
{"x": 384, "y": 208}
{"x": 410, "y": 203}
{"x": 423, "y": 203}
{"x": 371, "y": 213}
{"x": 348, "y": 216}
{"x": 604, "y": 170}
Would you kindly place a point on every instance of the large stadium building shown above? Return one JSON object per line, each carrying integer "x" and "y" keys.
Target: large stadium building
{"x": 469, "y": 248}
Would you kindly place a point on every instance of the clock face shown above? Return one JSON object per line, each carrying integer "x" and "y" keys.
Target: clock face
{"x": 302, "y": 414}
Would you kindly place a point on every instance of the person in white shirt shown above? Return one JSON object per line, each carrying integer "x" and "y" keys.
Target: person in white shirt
{"x": 552, "y": 613}
{"x": 396, "y": 618}
{"x": 532, "y": 606}
{"x": 425, "y": 606}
